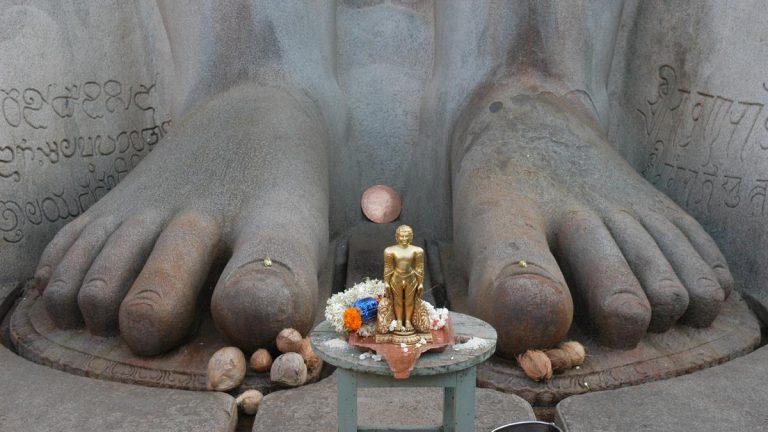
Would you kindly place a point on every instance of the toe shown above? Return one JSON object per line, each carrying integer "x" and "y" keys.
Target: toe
{"x": 704, "y": 292}
{"x": 616, "y": 303}
{"x": 60, "y": 296}
{"x": 515, "y": 283}
{"x": 254, "y": 302}
{"x": 56, "y": 249}
{"x": 707, "y": 248}
{"x": 526, "y": 309}
{"x": 665, "y": 292}
{"x": 112, "y": 272}
{"x": 159, "y": 309}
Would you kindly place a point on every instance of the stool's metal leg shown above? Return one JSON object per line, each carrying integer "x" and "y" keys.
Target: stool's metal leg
{"x": 449, "y": 409}
{"x": 464, "y": 400}
{"x": 346, "y": 386}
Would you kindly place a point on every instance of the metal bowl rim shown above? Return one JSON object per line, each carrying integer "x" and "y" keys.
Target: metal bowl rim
{"x": 526, "y": 422}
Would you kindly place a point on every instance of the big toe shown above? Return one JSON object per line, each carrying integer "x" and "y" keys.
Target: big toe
{"x": 527, "y": 310}
{"x": 514, "y": 281}
{"x": 257, "y": 300}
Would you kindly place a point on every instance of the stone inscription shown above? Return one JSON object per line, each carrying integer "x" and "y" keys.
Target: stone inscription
{"x": 702, "y": 147}
{"x": 37, "y": 108}
{"x": 64, "y": 203}
{"x": 19, "y": 153}
{"x": 32, "y": 142}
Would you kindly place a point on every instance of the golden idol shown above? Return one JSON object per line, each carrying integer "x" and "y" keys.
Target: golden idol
{"x": 402, "y": 317}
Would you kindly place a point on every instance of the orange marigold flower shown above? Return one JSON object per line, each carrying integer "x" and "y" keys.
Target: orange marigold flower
{"x": 352, "y": 319}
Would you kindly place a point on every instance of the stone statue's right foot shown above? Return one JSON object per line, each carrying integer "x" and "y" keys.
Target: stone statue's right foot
{"x": 242, "y": 177}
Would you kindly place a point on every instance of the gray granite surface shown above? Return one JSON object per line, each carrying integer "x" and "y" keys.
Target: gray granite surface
{"x": 687, "y": 93}
{"x": 35, "y": 398}
{"x": 89, "y": 88}
{"x": 729, "y": 397}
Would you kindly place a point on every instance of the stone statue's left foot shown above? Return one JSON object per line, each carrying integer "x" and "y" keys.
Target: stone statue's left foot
{"x": 242, "y": 177}
{"x": 534, "y": 175}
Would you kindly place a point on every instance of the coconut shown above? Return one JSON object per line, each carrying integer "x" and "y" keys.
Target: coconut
{"x": 560, "y": 359}
{"x": 226, "y": 369}
{"x": 536, "y": 365}
{"x": 576, "y": 352}
{"x": 310, "y": 358}
{"x": 261, "y": 360}
{"x": 289, "y": 340}
{"x": 249, "y": 401}
{"x": 289, "y": 370}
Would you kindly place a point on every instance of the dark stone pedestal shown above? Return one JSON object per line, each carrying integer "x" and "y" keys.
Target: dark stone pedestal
{"x": 678, "y": 351}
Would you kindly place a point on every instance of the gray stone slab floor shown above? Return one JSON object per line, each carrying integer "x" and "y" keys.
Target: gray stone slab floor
{"x": 312, "y": 408}
{"x": 35, "y": 398}
{"x": 729, "y": 397}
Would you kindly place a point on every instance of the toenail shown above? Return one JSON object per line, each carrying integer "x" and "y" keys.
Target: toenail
{"x": 706, "y": 287}
{"x": 668, "y": 284}
{"x": 707, "y": 284}
{"x": 722, "y": 272}
{"x": 44, "y": 271}
{"x": 513, "y": 271}
{"x": 97, "y": 284}
{"x": 628, "y": 306}
{"x": 42, "y": 275}
{"x": 55, "y": 286}
{"x": 93, "y": 292}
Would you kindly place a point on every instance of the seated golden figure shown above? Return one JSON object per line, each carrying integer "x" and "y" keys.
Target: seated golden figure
{"x": 401, "y": 315}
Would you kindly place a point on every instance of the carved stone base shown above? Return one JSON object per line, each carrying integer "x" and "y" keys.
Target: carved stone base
{"x": 411, "y": 339}
{"x": 679, "y": 351}
{"x": 108, "y": 358}
{"x": 81, "y": 353}
{"x": 658, "y": 356}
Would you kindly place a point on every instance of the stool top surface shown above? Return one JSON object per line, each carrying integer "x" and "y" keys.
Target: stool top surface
{"x": 476, "y": 342}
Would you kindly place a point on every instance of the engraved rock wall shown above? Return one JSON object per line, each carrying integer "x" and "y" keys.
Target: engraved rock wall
{"x": 689, "y": 88}
{"x": 82, "y": 100}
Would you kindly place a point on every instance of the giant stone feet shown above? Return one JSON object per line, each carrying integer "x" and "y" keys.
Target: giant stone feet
{"x": 243, "y": 176}
{"x": 540, "y": 198}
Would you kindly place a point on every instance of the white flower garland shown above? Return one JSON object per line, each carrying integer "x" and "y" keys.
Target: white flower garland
{"x": 437, "y": 316}
{"x": 339, "y": 302}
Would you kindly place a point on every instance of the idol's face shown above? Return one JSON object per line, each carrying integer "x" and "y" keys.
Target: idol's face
{"x": 404, "y": 237}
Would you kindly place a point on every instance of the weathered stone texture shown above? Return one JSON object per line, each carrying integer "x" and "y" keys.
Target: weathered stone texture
{"x": 688, "y": 91}
{"x": 727, "y": 397}
{"x": 36, "y": 399}
{"x": 83, "y": 98}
